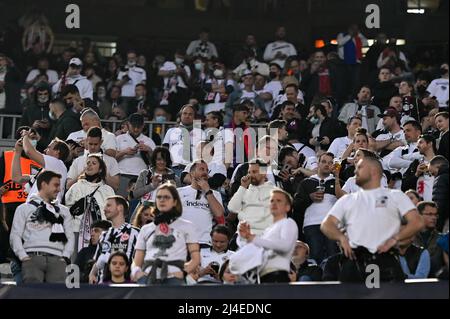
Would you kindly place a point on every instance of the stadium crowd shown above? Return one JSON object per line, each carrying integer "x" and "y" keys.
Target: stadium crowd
{"x": 283, "y": 166}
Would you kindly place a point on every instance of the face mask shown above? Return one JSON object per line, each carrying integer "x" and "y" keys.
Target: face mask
{"x": 199, "y": 66}
{"x": 272, "y": 75}
{"x": 34, "y": 143}
{"x": 179, "y": 61}
{"x": 2, "y": 69}
{"x": 443, "y": 71}
{"x": 160, "y": 119}
{"x": 314, "y": 120}
{"x": 42, "y": 99}
{"x": 131, "y": 63}
{"x": 218, "y": 73}
{"x": 52, "y": 116}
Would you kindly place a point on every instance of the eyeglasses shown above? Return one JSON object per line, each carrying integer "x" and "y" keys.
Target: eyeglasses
{"x": 163, "y": 197}
{"x": 431, "y": 215}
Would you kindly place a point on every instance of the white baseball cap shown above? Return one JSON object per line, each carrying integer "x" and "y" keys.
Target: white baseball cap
{"x": 75, "y": 61}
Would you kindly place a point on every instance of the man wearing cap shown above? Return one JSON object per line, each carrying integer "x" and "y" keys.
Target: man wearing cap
{"x": 73, "y": 76}
{"x": 392, "y": 136}
{"x": 133, "y": 152}
{"x": 396, "y": 102}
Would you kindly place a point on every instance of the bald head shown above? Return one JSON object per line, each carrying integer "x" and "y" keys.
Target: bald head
{"x": 89, "y": 118}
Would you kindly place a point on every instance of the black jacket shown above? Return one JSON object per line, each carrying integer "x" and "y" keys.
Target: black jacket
{"x": 310, "y": 84}
{"x": 69, "y": 122}
{"x": 330, "y": 128}
{"x": 440, "y": 195}
{"x": 13, "y": 84}
{"x": 409, "y": 180}
{"x": 302, "y": 200}
{"x": 443, "y": 146}
{"x": 382, "y": 93}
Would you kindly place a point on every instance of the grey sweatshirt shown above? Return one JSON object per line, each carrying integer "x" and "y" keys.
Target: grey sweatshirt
{"x": 28, "y": 236}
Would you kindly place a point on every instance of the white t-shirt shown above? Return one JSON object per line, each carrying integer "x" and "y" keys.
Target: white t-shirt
{"x": 279, "y": 46}
{"x": 52, "y": 76}
{"x": 316, "y": 212}
{"x": 166, "y": 242}
{"x": 339, "y": 146}
{"x": 137, "y": 75}
{"x": 170, "y": 66}
{"x": 179, "y": 153}
{"x": 378, "y": 221}
{"x": 56, "y": 165}
{"x": 221, "y": 138}
{"x": 198, "y": 212}
{"x": 439, "y": 89}
{"x": 274, "y": 88}
{"x": 208, "y": 255}
{"x": 81, "y": 82}
{"x": 132, "y": 164}
{"x": 399, "y": 136}
{"x": 109, "y": 139}
{"x": 79, "y": 164}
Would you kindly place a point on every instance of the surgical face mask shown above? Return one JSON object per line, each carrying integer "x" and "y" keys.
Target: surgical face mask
{"x": 218, "y": 73}
{"x": 2, "y": 69}
{"x": 42, "y": 99}
{"x": 179, "y": 61}
{"x": 52, "y": 116}
{"x": 199, "y": 66}
{"x": 160, "y": 119}
{"x": 131, "y": 63}
{"x": 314, "y": 120}
{"x": 34, "y": 143}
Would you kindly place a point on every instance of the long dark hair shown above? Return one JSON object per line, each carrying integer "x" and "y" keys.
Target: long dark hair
{"x": 107, "y": 274}
{"x": 165, "y": 154}
{"x": 102, "y": 169}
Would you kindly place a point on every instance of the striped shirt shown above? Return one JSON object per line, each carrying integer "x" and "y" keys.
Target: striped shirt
{"x": 122, "y": 239}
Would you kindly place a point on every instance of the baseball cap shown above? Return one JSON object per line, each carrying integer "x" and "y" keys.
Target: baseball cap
{"x": 391, "y": 112}
{"x": 136, "y": 119}
{"x": 75, "y": 61}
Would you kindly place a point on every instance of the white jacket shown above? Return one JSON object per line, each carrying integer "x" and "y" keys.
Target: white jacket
{"x": 253, "y": 206}
{"x": 83, "y": 188}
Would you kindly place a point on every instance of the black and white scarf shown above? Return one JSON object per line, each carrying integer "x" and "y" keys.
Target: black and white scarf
{"x": 49, "y": 213}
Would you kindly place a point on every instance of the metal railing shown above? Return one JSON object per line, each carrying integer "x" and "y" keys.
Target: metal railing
{"x": 9, "y": 123}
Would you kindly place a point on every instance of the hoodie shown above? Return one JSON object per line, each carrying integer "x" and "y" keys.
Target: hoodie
{"x": 253, "y": 206}
{"x": 30, "y": 236}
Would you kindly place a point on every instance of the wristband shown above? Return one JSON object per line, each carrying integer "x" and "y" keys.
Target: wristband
{"x": 208, "y": 193}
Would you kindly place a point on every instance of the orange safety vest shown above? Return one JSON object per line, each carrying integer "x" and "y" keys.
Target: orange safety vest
{"x": 15, "y": 192}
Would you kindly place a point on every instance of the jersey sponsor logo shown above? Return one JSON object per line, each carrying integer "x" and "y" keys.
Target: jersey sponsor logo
{"x": 106, "y": 247}
{"x": 197, "y": 204}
